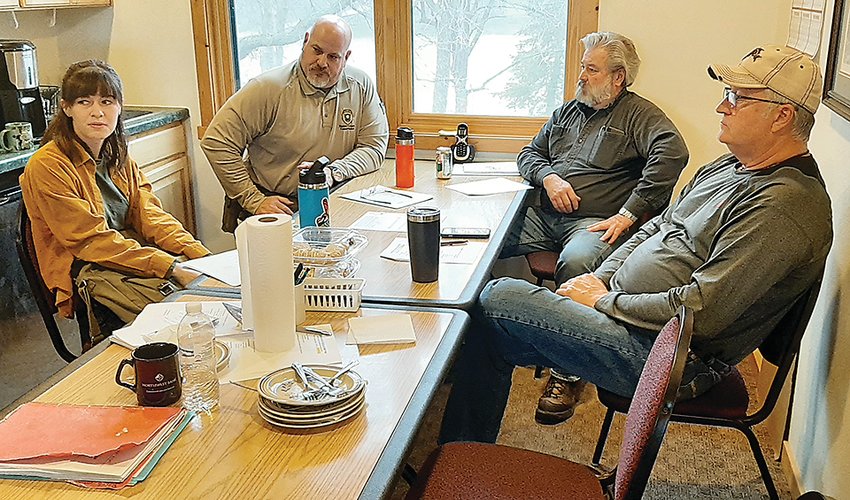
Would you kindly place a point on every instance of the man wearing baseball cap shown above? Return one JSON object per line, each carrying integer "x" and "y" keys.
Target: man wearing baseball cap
{"x": 746, "y": 237}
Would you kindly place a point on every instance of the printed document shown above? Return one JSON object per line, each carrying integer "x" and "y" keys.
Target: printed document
{"x": 457, "y": 254}
{"x": 382, "y": 221}
{"x": 383, "y": 196}
{"x": 489, "y": 186}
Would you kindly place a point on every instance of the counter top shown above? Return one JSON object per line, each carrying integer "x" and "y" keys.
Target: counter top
{"x": 138, "y": 119}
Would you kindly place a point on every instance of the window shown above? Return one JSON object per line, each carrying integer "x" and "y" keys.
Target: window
{"x": 269, "y": 33}
{"x": 489, "y": 58}
{"x": 501, "y": 66}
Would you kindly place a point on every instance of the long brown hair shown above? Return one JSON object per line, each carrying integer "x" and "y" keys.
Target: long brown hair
{"x": 82, "y": 79}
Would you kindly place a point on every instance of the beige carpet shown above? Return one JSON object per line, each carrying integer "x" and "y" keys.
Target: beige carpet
{"x": 694, "y": 463}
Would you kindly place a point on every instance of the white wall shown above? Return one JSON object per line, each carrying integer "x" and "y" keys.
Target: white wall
{"x": 676, "y": 42}
{"x": 820, "y": 426}
{"x": 150, "y": 44}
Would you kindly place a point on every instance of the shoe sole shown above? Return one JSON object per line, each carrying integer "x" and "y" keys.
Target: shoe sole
{"x": 552, "y": 418}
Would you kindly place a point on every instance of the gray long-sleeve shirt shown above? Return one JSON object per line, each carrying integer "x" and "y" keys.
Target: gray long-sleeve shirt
{"x": 737, "y": 247}
{"x": 282, "y": 121}
{"x": 628, "y": 155}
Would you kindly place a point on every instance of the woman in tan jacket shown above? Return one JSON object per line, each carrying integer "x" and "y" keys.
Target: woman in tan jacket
{"x": 96, "y": 223}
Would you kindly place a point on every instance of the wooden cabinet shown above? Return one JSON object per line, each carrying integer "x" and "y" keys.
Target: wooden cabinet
{"x": 161, "y": 156}
{"x": 54, "y": 4}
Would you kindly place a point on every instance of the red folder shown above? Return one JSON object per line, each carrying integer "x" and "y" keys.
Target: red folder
{"x": 62, "y": 431}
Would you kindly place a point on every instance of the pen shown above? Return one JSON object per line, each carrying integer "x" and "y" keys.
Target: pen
{"x": 392, "y": 191}
{"x": 452, "y": 243}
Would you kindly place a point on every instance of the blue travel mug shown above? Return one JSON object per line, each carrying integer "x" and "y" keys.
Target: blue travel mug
{"x": 313, "y": 195}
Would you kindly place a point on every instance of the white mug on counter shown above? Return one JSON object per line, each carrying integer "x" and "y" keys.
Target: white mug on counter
{"x": 17, "y": 136}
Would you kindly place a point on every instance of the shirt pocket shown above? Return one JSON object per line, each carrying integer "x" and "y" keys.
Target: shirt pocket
{"x": 609, "y": 148}
{"x": 561, "y": 140}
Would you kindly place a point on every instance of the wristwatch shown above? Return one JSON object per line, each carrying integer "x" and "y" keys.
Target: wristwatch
{"x": 625, "y": 213}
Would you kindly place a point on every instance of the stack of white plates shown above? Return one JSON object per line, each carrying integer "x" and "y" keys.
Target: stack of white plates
{"x": 283, "y": 403}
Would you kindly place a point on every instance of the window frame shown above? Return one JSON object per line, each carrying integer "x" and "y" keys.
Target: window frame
{"x": 213, "y": 36}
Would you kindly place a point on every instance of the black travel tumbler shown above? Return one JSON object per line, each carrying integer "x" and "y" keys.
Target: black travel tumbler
{"x": 423, "y": 239}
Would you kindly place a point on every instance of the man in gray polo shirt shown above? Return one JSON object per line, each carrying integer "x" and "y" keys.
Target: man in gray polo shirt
{"x": 288, "y": 117}
{"x": 603, "y": 160}
{"x": 747, "y": 236}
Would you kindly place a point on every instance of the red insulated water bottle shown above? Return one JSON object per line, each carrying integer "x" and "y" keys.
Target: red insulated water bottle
{"x": 404, "y": 158}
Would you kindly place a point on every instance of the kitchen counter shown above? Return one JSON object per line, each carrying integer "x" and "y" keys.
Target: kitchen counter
{"x": 138, "y": 119}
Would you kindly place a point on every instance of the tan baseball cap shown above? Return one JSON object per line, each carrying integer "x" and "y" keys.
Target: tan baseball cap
{"x": 786, "y": 71}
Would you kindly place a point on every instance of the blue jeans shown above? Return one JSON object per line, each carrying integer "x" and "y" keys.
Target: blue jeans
{"x": 581, "y": 251}
{"x": 519, "y": 324}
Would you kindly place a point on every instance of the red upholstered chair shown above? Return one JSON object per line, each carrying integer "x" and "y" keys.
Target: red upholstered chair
{"x": 488, "y": 471}
{"x": 44, "y": 298}
{"x": 725, "y": 404}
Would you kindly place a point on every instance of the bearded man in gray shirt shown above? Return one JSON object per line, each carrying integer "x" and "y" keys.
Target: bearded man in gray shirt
{"x": 747, "y": 236}
{"x": 288, "y": 117}
{"x": 603, "y": 160}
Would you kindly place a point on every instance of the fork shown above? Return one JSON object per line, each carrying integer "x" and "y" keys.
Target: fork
{"x": 325, "y": 386}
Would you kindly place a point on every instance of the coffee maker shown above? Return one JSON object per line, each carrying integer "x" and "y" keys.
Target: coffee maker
{"x": 20, "y": 99}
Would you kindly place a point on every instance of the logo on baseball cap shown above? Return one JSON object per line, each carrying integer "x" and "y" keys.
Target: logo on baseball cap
{"x": 784, "y": 70}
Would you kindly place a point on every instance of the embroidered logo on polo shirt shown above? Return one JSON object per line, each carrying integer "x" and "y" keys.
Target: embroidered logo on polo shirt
{"x": 346, "y": 119}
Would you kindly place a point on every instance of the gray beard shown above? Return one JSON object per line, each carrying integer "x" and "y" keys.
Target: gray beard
{"x": 594, "y": 97}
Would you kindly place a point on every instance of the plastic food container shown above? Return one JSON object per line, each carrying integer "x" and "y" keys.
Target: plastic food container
{"x": 325, "y": 246}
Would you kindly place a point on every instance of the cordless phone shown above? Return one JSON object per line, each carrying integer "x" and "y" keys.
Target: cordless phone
{"x": 462, "y": 151}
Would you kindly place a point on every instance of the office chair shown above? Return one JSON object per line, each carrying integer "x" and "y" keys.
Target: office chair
{"x": 466, "y": 470}
{"x": 725, "y": 404}
{"x": 44, "y": 298}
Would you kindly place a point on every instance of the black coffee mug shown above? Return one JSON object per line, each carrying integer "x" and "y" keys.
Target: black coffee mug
{"x": 157, "y": 375}
{"x": 423, "y": 240}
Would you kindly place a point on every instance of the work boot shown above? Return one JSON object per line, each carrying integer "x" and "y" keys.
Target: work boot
{"x": 559, "y": 400}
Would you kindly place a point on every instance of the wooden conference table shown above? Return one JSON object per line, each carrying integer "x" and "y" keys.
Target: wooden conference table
{"x": 234, "y": 453}
{"x": 389, "y": 282}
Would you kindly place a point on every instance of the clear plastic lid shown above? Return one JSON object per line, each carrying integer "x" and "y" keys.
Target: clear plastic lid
{"x": 325, "y": 246}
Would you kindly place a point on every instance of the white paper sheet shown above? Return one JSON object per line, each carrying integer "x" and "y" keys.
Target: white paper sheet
{"x": 158, "y": 323}
{"x": 383, "y": 196}
{"x": 456, "y": 254}
{"x": 486, "y": 168}
{"x": 387, "y": 329}
{"x": 489, "y": 186}
{"x": 382, "y": 221}
{"x": 246, "y": 363}
{"x": 221, "y": 266}
{"x": 804, "y": 30}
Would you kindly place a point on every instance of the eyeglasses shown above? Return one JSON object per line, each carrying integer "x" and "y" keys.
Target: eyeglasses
{"x": 732, "y": 98}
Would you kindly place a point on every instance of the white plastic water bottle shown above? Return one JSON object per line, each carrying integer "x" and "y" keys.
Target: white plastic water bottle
{"x": 195, "y": 336}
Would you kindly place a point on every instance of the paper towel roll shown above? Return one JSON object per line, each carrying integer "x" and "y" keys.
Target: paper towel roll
{"x": 264, "y": 245}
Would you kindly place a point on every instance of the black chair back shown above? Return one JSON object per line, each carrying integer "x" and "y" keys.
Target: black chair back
{"x": 44, "y": 298}
{"x": 780, "y": 348}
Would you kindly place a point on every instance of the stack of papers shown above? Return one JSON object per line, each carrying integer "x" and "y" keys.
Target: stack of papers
{"x": 158, "y": 322}
{"x": 466, "y": 253}
{"x": 486, "y": 168}
{"x": 387, "y": 329}
{"x": 383, "y": 196}
{"x": 490, "y": 186}
{"x": 93, "y": 446}
{"x": 221, "y": 266}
